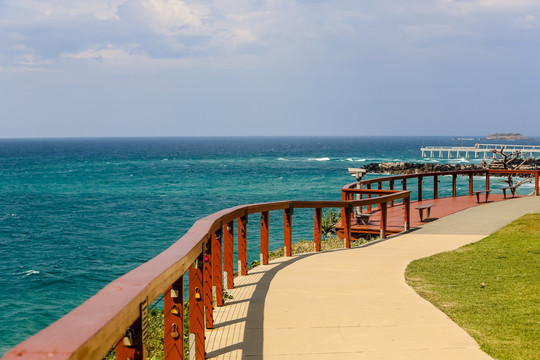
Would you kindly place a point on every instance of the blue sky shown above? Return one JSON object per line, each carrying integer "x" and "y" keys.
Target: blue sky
{"x": 269, "y": 67}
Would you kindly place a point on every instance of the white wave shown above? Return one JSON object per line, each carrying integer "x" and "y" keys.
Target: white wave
{"x": 319, "y": 159}
{"x": 28, "y": 273}
{"x": 282, "y": 159}
{"x": 354, "y": 160}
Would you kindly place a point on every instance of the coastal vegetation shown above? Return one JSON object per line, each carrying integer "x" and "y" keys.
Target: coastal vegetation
{"x": 331, "y": 217}
{"x": 305, "y": 246}
{"x": 490, "y": 288}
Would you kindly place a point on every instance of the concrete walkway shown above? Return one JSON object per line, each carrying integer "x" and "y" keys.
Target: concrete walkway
{"x": 354, "y": 304}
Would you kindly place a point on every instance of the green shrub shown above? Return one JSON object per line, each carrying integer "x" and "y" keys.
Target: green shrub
{"x": 331, "y": 217}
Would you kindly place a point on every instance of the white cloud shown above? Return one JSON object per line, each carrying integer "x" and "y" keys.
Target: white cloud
{"x": 109, "y": 55}
{"x": 100, "y": 9}
{"x": 172, "y": 17}
{"x": 227, "y": 31}
{"x": 24, "y": 62}
{"x": 469, "y": 7}
{"x": 32, "y": 60}
{"x": 239, "y": 38}
{"x": 128, "y": 60}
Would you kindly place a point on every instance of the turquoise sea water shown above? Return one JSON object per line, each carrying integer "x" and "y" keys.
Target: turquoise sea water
{"x": 77, "y": 213}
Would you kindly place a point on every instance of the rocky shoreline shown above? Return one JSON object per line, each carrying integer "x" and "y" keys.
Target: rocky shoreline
{"x": 415, "y": 168}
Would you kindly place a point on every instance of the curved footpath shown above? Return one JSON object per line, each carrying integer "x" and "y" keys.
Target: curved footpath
{"x": 354, "y": 304}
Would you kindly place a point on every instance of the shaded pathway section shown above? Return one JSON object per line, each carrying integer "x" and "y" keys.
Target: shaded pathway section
{"x": 355, "y": 304}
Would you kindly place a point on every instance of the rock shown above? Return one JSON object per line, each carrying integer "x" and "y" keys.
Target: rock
{"x": 415, "y": 168}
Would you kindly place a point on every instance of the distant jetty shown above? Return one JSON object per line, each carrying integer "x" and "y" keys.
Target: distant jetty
{"x": 482, "y": 151}
{"x": 506, "y": 136}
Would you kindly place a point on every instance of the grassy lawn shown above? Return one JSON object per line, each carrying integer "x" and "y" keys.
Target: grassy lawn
{"x": 490, "y": 288}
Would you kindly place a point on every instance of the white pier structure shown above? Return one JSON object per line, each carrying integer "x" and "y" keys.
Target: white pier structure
{"x": 478, "y": 151}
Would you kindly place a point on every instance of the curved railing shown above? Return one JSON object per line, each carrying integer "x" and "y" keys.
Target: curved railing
{"x": 488, "y": 173}
{"x": 117, "y": 315}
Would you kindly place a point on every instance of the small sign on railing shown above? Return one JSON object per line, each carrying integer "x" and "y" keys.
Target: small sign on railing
{"x": 144, "y": 321}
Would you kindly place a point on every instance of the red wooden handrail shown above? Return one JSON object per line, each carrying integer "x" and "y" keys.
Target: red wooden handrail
{"x": 91, "y": 329}
{"x": 487, "y": 172}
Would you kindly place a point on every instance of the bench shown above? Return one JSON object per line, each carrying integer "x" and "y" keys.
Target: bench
{"x": 512, "y": 190}
{"x": 482, "y": 192}
{"x": 421, "y": 209}
{"x": 362, "y": 219}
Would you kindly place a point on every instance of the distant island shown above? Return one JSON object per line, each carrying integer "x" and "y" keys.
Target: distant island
{"x": 506, "y": 136}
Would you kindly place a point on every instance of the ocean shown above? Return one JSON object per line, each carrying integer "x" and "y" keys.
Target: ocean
{"x": 78, "y": 213}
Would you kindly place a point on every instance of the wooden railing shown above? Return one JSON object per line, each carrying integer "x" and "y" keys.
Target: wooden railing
{"x": 393, "y": 180}
{"x": 117, "y": 315}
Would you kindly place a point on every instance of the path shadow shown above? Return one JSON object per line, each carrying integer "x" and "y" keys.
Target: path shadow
{"x": 251, "y": 343}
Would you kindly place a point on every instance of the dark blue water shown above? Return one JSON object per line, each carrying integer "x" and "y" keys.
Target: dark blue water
{"x": 77, "y": 213}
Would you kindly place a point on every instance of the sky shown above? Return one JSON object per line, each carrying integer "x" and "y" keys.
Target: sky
{"x": 108, "y": 68}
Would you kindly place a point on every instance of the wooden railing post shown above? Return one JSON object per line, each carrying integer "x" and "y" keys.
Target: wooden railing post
{"x": 392, "y": 188}
{"x": 344, "y": 197}
{"x": 384, "y": 219}
{"x": 217, "y": 267}
{"x": 420, "y": 188}
{"x": 407, "y": 212}
{"x": 207, "y": 286}
{"x": 173, "y": 314}
{"x": 287, "y": 231}
{"x": 130, "y": 346}
{"x": 196, "y": 310}
{"x": 369, "y": 197}
{"x": 404, "y": 184}
{"x": 228, "y": 255}
{"x": 263, "y": 257}
{"x": 487, "y": 180}
{"x": 454, "y": 190}
{"x": 435, "y": 187}
{"x": 471, "y": 184}
{"x": 536, "y": 176}
{"x": 317, "y": 229}
{"x": 347, "y": 225}
{"x": 242, "y": 245}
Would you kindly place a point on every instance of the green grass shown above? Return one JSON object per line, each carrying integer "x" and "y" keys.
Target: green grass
{"x": 490, "y": 288}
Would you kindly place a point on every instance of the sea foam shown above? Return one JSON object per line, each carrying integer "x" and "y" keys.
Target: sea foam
{"x": 27, "y": 273}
